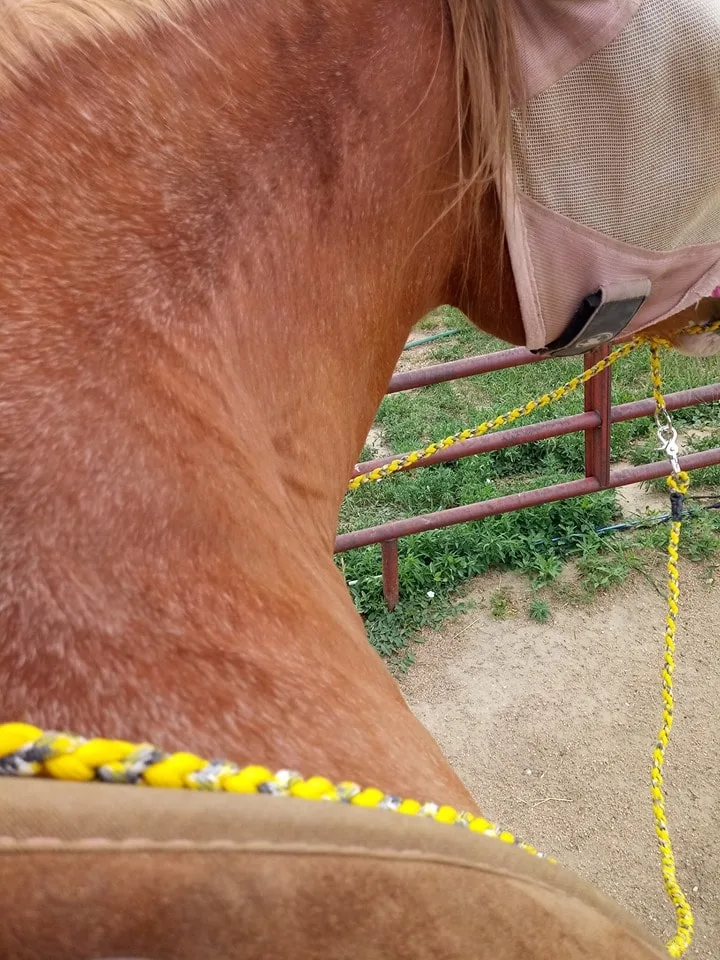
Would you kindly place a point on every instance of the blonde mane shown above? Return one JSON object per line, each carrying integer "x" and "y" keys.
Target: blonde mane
{"x": 487, "y": 80}
{"x": 33, "y": 31}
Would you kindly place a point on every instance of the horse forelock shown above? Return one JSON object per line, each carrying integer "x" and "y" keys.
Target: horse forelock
{"x": 32, "y": 31}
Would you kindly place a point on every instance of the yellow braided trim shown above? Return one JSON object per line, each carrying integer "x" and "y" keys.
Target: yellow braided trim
{"x": 28, "y": 751}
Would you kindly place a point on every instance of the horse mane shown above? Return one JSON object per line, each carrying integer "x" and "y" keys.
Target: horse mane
{"x": 487, "y": 77}
{"x": 32, "y": 31}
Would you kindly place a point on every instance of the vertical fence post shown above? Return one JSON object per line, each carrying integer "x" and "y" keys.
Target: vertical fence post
{"x": 597, "y": 400}
{"x": 390, "y": 573}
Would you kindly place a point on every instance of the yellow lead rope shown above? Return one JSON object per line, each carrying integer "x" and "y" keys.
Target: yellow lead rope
{"x": 678, "y": 483}
{"x": 410, "y": 459}
{"x": 487, "y": 426}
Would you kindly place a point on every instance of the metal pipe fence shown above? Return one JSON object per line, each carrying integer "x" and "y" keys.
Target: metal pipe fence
{"x": 595, "y": 422}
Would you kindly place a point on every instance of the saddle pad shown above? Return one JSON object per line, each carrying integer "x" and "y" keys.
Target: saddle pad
{"x": 615, "y": 176}
{"x": 94, "y": 870}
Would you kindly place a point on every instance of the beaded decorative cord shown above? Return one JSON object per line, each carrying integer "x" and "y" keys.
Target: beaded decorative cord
{"x": 28, "y": 751}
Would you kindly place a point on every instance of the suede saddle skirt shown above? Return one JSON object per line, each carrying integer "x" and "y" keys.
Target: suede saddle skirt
{"x": 92, "y": 871}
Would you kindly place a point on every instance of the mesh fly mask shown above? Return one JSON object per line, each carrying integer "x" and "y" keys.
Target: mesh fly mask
{"x": 613, "y": 209}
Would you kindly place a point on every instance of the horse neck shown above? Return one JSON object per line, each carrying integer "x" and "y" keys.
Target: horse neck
{"x": 204, "y": 321}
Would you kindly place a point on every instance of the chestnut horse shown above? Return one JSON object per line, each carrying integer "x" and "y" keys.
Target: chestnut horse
{"x": 220, "y": 220}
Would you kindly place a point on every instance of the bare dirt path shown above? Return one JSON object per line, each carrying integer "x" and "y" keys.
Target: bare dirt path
{"x": 552, "y": 727}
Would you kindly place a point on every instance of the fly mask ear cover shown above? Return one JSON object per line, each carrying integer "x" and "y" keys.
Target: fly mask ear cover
{"x": 613, "y": 192}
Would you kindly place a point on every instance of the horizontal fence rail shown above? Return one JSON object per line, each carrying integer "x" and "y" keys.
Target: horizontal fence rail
{"x": 596, "y": 422}
{"x": 458, "y": 369}
{"x": 514, "y": 436}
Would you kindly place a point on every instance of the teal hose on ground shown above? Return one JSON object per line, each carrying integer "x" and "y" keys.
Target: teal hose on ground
{"x": 434, "y": 336}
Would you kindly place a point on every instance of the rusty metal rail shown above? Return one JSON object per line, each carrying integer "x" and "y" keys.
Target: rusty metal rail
{"x": 596, "y": 422}
{"x": 458, "y": 369}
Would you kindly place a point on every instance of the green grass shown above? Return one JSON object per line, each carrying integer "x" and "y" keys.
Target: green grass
{"x": 440, "y": 561}
{"x": 539, "y": 610}
{"x": 501, "y": 606}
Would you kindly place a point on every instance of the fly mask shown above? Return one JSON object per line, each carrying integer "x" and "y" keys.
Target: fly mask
{"x": 613, "y": 194}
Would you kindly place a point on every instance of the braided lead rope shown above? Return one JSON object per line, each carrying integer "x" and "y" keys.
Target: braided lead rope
{"x": 404, "y": 463}
{"x": 28, "y": 751}
{"x": 487, "y": 426}
{"x": 678, "y": 483}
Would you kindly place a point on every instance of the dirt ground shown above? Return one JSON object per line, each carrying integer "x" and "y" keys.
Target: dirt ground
{"x": 552, "y": 727}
